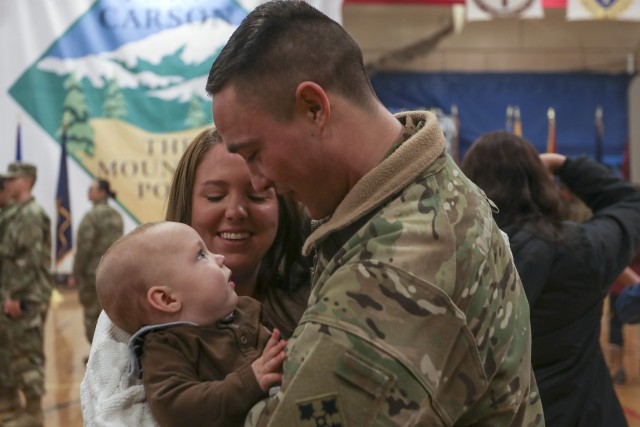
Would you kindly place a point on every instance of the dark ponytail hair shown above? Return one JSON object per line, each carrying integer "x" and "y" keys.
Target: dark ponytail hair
{"x": 104, "y": 185}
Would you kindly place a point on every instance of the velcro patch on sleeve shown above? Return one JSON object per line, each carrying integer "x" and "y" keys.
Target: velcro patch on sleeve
{"x": 321, "y": 411}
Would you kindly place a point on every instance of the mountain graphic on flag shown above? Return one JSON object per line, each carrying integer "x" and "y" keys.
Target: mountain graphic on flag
{"x": 157, "y": 72}
{"x": 129, "y": 81}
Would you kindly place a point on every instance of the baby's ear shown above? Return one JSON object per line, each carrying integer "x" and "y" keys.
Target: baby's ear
{"x": 162, "y": 298}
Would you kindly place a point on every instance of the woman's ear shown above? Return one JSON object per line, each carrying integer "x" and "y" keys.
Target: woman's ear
{"x": 313, "y": 101}
{"x": 163, "y": 299}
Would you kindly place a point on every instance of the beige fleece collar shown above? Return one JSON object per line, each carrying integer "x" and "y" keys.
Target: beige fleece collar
{"x": 393, "y": 174}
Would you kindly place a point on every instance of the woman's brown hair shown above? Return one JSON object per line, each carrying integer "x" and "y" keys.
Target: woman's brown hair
{"x": 509, "y": 170}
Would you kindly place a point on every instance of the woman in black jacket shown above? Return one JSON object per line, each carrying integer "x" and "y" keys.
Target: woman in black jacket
{"x": 566, "y": 268}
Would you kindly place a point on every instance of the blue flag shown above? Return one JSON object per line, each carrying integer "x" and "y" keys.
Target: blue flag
{"x": 18, "y": 145}
{"x": 63, "y": 208}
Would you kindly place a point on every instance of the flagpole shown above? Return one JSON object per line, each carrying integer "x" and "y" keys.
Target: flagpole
{"x": 509, "y": 123}
{"x": 599, "y": 133}
{"x": 18, "y": 140}
{"x": 63, "y": 208}
{"x": 517, "y": 122}
{"x": 456, "y": 138}
{"x": 551, "y": 135}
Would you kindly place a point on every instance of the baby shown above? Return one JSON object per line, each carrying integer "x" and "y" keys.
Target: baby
{"x": 204, "y": 356}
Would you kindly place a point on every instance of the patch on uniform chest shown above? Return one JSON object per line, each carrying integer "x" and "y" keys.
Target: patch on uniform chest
{"x": 321, "y": 411}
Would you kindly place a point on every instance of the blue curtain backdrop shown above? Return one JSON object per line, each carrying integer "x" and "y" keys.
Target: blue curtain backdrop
{"x": 482, "y": 101}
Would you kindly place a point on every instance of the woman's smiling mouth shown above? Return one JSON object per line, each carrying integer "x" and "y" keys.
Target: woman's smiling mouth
{"x": 234, "y": 236}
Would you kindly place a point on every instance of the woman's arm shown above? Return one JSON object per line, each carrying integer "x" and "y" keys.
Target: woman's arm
{"x": 612, "y": 236}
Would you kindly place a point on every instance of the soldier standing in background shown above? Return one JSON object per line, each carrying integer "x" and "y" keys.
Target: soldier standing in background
{"x": 99, "y": 228}
{"x": 9, "y": 400}
{"x": 27, "y": 285}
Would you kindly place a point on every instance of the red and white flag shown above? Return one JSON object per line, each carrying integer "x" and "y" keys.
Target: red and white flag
{"x": 483, "y": 10}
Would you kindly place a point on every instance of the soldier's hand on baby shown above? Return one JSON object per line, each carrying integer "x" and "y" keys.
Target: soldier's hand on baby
{"x": 267, "y": 367}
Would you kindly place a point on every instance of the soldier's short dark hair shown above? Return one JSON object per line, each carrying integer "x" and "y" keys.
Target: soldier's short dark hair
{"x": 283, "y": 43}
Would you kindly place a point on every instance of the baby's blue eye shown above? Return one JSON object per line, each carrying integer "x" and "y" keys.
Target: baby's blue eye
{"x": 201, "y": 255}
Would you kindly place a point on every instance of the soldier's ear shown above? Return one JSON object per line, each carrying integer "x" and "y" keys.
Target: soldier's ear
{"x": 313, "y": 102}
{"x": 162, "y": 298}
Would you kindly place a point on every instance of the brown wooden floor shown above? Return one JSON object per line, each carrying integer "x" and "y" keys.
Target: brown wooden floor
{"x": 66, "y": 348}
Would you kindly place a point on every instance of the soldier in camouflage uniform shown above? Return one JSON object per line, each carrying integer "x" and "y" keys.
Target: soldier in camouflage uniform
{"x": 27, "y": 285}
{"x": 417, "y": 315}
{"x": 99, "y": 228}
{"x": 9, "y": 400}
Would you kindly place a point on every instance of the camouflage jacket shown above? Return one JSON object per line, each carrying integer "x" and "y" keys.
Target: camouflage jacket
{"x": 417, "y": 316}
{"x": 99, "y": 228}
{"x": 6, "y": 215}
{"x": 26, "y": 264}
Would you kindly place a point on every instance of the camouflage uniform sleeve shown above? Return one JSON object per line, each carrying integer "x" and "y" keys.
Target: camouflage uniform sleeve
{"x": 6, "y": 216}
{"x": 335, "y": 378}
{"x": 85, "y": 238}
{"x": 26, "y": 270}
{"x": 356, "y": 359}
{"x": 383, "y": 347}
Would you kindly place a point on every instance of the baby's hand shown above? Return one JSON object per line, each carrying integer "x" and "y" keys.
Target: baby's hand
{"x": 267, "y": 367}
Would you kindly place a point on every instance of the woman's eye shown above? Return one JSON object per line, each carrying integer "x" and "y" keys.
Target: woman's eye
{"x": 201, "y": 255}
{"x": 258, "y": 198}
{"x": 214, "y": 198}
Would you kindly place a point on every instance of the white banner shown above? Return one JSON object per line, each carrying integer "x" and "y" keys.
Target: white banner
{"x": 128, "y": 80}
{"x": 483, "y": 10}
{"x": 623, "y": 10}
{"x": 27, "y": 29}
{"x": 331, "y": 8}
{"x": 126, "y": 77}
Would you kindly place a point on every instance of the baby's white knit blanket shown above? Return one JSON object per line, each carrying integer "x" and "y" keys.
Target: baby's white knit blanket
{"x": 107, "y": 396}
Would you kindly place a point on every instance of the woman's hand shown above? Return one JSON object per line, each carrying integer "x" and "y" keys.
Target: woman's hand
{"x": 268, "y": 366}
{"x": 553, "y": 161}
